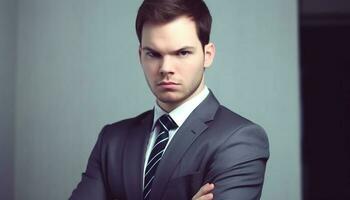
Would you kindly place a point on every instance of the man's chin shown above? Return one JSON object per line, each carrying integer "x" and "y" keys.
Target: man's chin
{"x": 169, "y": 99}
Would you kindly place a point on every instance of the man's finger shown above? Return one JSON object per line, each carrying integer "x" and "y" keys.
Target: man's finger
{"x": 209, "y": 196}
{"x": 203, "y": 191}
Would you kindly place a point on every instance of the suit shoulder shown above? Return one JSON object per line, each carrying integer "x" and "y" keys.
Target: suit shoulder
{"x": 229, "y": 116}
{"x": 237, "y": 129}
{"x": 125, "y": 123}
{"x": 234, "y": 122}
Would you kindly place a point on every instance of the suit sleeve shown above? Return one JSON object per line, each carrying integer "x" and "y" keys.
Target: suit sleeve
{"x": 238, "y": 166}
{"x": 92, "y": 186}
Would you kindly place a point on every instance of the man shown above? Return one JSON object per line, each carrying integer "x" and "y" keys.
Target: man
{"x": 188, "y": 146}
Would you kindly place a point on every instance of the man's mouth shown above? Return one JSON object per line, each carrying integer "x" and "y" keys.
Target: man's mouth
{"x": 168, "y": 85}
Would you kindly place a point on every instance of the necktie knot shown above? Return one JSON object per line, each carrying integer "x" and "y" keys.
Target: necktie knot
{"x": 167, "y": 123}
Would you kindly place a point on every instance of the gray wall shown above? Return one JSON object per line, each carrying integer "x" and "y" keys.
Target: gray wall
{"x": 78, "y": 70}
{"x": 255, "y": 73}
{"x": 7, "y": 83}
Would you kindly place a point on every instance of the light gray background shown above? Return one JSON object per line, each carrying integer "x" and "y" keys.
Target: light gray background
{"x": 72, "y": 66}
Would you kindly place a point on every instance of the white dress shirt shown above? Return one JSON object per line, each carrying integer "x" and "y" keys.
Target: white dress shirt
{"x": 179, "y": 115}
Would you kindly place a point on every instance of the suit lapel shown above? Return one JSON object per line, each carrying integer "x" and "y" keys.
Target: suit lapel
{"x": 134, "y": 154}
{"x": 194, "y": 125}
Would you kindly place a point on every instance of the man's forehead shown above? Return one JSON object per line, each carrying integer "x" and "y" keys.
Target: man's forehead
{"x": 177, "y": 34}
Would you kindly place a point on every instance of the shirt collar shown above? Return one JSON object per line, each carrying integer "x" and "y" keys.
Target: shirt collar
{"x": 180, "y": 114}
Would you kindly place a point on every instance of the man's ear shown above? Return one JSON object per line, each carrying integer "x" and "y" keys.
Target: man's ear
{"x": 209, "y": 54}
{"x": 139, "y": 53}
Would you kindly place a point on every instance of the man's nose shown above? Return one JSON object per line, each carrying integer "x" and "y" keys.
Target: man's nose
{"x": 166, "y": 66}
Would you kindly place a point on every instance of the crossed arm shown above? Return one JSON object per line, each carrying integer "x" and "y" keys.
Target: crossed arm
{"x": 237, "y": 169}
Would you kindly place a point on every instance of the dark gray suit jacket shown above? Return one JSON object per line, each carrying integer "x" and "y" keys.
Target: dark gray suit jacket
{"x": 213, "y": 145}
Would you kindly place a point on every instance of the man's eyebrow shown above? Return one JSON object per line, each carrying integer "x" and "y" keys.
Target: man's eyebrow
{"x": 185, "y": 48}
{"x": 148, "y": 49}
{"x": 175, "y": 51}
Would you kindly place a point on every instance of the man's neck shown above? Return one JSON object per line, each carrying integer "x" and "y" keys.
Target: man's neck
{"x": 168, "y": 107}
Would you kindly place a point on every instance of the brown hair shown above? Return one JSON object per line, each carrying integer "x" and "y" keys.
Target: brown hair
{"x": 164, "y": 11}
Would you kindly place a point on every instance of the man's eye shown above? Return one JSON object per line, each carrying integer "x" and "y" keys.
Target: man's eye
{"x": 152, "y": 54}
{"x": 149, "y": 54}
{"x": 184, "y": 53}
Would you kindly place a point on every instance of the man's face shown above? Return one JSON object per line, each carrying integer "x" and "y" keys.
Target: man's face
{"x": 173, "y": 61}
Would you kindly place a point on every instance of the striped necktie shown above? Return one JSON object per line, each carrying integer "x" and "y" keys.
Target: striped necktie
{"x": 165, "y": 123}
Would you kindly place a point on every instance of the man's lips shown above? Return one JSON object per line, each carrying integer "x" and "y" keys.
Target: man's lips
{"x": 167, "y": 85}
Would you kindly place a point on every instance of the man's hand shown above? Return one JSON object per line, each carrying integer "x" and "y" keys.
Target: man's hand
{"x": 204, "y": 192}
